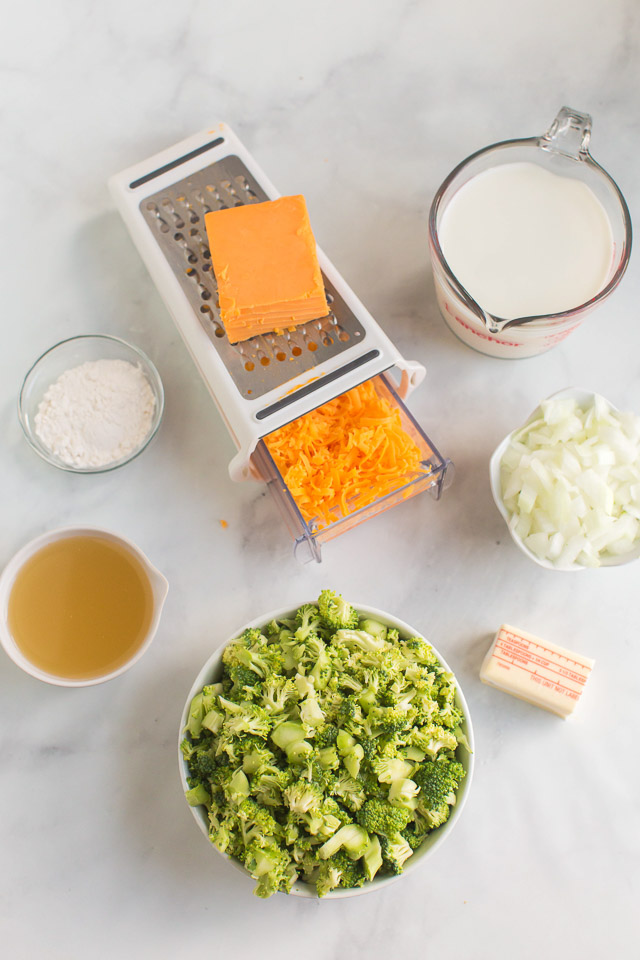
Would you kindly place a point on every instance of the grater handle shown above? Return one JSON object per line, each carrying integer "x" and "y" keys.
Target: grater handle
{"x": 569, "y": 134}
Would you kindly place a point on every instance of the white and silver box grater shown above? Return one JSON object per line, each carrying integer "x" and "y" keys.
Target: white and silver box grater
{"x": 259, "y": 384}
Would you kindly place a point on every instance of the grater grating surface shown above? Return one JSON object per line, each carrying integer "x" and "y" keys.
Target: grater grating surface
{"x": 261, "y": 364}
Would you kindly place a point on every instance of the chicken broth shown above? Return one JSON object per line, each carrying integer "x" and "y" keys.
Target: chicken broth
{"x": 80, "y": 607}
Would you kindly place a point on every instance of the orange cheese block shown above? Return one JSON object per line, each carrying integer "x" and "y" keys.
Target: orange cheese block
{"x": 299, "y": 307}
{"x": 257, "y": 329}
{"x": 271, "y": 315}
{"x": 266, "y": 267}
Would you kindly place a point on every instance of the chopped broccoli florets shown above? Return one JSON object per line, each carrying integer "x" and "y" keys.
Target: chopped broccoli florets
{"x": 395, "y": 851}
{"x": 307, "y": 621}
{"x": 351, "y": 792}
{"x": 380, "y": 816}
{"x": 389, "y": 770}
{"x": 326, "y": 736}
{"x": 335, "y": 612}
{"x": 277, "y": 693}
{"x": 242, "y": 677}
{"x": 438, "y": 781}
{"x": 326, "y": 750}
{"x": 253, "y": 720}
{"x": 414, "y": 836}
{"x": 268, "y": 787}
{"x": 432, "y": 739}
{"x": 301, "y": 797}
{"x": 203, "y": 765}
{"x": 338, "y": 871}
{"x": 256, "y": 823}
{"x": 270, "y": 865}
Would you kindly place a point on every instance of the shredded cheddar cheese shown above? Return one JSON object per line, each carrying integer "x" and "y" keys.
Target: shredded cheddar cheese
{"x": 344, "y": 455}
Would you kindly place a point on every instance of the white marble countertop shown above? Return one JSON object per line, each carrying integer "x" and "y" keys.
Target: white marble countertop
{"x": 364, "y": 107}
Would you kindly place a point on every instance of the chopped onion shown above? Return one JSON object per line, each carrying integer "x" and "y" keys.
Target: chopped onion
{"x": 570, "y": 481}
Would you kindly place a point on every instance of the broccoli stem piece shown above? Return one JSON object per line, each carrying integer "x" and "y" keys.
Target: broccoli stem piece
{"x": 238, "y": 786}
{"x": 287, "y": 733}
{"x": 374, "y": 627}
{"x": 353, "y": 838}
{"x": 197, "y": 795}
{"x": 196, "y": 714}
{"x": 213, "y": 721}
{"x": 372, "y": 859}
{"x": 290, "y": 737}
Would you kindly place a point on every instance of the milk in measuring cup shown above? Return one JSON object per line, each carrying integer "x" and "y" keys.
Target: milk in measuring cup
{"x": 527, "y": 242}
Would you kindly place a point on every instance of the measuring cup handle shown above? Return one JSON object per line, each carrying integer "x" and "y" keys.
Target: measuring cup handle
{"x": 569, "y": 134}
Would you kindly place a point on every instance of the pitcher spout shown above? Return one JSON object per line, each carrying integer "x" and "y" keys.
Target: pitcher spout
{"x": 492, "y": 323}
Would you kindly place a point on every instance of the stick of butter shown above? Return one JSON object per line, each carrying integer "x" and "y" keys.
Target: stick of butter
{"x": 535, "y": 670}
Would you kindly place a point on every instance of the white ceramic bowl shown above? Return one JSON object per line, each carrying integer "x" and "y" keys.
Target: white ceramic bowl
{"x": 159, "y": 586}
{"x": 211, "y": 672}
{"x": 583, "y": 398}
{"x": 71, "y": 353}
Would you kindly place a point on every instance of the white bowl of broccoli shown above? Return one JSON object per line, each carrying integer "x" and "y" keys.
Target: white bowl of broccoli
{"x": 326, "y": 750}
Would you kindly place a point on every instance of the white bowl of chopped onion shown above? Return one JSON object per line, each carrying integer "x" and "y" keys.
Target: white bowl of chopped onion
{"x": 567, "y": 482}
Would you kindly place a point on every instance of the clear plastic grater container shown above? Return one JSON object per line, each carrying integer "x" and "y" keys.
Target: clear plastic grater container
{"x": 435, "y": 474}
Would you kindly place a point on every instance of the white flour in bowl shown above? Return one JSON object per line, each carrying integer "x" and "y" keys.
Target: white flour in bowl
{"x": 96, "y": 413}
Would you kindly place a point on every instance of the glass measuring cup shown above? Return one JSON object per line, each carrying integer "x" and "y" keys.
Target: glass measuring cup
{"x": 563, "y": 150}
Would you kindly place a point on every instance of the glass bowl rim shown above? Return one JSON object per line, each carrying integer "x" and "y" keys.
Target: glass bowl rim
{"x": 155, "y": 382}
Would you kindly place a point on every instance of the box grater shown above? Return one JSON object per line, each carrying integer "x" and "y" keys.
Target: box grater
{"x": 263, "y": 383}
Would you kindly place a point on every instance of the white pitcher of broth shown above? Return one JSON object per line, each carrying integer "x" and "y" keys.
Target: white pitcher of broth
{"x": 79, "y": 605}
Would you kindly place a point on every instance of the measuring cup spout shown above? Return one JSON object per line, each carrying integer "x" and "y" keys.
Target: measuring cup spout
{"x": 492, "y": 323}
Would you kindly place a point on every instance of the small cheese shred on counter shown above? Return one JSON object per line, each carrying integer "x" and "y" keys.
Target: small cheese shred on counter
{"x": 535, "y": 670}
{"x": 344, "y": 455}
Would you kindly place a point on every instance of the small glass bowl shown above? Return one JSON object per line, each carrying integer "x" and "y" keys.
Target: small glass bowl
{"x": 71, "y": 353}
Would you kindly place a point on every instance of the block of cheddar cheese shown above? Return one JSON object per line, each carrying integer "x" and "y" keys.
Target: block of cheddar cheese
{"x": 264, "y": 259}
{"x": 536, "y": 670}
